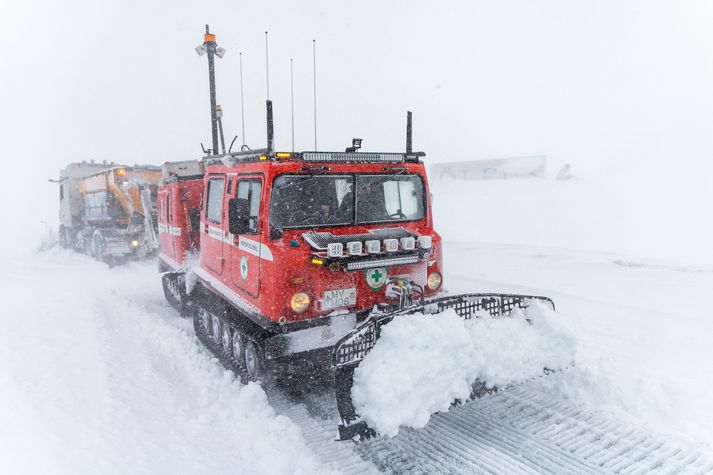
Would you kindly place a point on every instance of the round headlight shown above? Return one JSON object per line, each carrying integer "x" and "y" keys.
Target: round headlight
{"x": 434, "y": 280}
{"x": 135, "y": 243}
{"x": 299, "y": 302}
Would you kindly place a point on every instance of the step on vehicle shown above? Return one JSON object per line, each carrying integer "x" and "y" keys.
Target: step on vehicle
{"x": 305, "y": 256}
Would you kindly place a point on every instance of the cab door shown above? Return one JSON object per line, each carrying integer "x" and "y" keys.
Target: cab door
{"x": 212, "y": 224}
{"x": 246, "y": 248}
{"x": 164, "y": 235}
{"x": 171, "y": 243}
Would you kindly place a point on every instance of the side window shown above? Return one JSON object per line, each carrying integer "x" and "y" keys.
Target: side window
{"x": 162, "y": 209}
{"x": 61, "y": 191}
{"x": 168, "y": 207}
{"x": 214, "y": 203}
{"x": 250, "y": 190}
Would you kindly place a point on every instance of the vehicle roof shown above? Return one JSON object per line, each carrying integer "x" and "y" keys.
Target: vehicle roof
{"x": 264, "y": 161}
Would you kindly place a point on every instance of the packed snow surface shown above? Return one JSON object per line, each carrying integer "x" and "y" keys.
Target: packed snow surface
{"x": 423, "y": 363}
{"x": 99, "y": 375}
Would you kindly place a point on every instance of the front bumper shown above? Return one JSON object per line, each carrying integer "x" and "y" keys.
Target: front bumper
{"x": 311, "y": 338}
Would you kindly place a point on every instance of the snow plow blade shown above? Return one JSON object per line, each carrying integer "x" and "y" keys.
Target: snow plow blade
{"x": 350, "y": 351}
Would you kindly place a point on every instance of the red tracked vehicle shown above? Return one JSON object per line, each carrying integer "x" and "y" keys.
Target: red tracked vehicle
{"x": 300, "y": 247}
{"x": 304, "y": 257}
{"x": 179, "y": 200}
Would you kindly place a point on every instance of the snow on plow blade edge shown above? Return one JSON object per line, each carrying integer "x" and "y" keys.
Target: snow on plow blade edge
{"x": 352, "y": 348}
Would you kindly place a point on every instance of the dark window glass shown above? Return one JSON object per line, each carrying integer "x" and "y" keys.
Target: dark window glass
{"x": 250, "y": 190}
{"x": 382, "y": 198}
{"x": 312, "y": 200}
{"x": 214, "y": 207}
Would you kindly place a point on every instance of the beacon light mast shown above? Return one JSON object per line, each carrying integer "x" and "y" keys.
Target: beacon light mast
{"x": 211, "y": 47}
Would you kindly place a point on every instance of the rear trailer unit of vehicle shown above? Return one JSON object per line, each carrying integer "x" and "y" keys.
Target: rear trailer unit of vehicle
{"x": 179, "y": 199}
{"x": 109, "y": 211}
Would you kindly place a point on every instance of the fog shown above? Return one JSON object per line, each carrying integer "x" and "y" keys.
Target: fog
{"x": 612, "y": 87}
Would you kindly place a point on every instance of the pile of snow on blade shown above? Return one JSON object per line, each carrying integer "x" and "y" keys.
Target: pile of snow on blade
{"x": 422, "y": 363}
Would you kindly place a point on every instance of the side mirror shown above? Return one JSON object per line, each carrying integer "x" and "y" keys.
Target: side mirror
{"x": 194, "y": 219}
{"x": 276, "y": 233}
{"x": 239, "y": 216}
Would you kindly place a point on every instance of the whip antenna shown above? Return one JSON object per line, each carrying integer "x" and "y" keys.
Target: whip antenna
{"x": 314, "y": 77}
{"x": 242, "y": 105}
{"x": 267, "y": 68}
{"x": 409, "y": 132}
{"x": 292, "y": 103}
{"x": 270, "y": 129}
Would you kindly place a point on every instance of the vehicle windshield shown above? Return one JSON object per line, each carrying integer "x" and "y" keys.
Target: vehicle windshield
{"x": 330, "y": 200}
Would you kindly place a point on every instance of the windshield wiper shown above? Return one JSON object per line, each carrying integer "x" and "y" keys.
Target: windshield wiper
{"x": 303, "y": 178}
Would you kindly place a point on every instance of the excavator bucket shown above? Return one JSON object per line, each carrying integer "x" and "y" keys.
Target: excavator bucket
{"x": 352, "y": 349}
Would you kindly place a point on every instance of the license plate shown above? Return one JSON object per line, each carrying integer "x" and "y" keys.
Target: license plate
{"x": 339, "y": 298}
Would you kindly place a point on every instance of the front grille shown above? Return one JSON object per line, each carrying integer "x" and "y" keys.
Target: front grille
{"x": 386, "y": 262}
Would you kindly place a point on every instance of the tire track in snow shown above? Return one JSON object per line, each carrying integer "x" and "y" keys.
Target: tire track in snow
{"x": 519, "y": 431}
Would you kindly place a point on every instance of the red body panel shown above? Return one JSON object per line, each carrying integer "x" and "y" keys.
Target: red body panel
{"x": 261, "y": 274}
{"x": 177, "y": 241}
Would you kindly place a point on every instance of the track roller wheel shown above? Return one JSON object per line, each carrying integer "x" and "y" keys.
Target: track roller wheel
{"x": 237, "y": 350}
{"x": 215, "y": 329}
{"x": 253, "y": 361}
{"x": 226, "y": 340}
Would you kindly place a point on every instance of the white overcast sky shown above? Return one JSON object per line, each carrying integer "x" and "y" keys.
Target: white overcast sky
{"x": 599, "y": 84}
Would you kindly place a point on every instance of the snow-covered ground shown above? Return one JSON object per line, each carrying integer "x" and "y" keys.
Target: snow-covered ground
{"x": 98, "y": 374}
{"x": 422, "y": 363}
{"x": 628, "y": 263}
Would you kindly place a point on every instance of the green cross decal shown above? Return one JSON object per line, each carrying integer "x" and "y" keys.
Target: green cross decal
{"x": 376, "y": 278}
{"x": 243, "y": 267}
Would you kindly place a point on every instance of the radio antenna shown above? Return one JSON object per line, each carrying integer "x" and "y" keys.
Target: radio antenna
{"x": 267, "y": 68}
{"x": 314, "y": 77}
{"x": 409, "y": 132}
{"x": 219, "y": 111}
{"x": 292, "y": 103}
{"x": 270, "y": 126}
{"x": 242, "y": 104}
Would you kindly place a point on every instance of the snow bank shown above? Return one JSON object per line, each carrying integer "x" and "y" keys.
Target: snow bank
{"x": 422, "y": 363}
{"x": 99, "y": 375}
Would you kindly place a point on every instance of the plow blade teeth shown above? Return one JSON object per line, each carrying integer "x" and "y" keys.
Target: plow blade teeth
{"x": 358, "y": 429}
{"x": 353, "y": 348}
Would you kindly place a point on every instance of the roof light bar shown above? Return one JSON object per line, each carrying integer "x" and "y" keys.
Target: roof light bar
{"x": 352, "y": 157}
